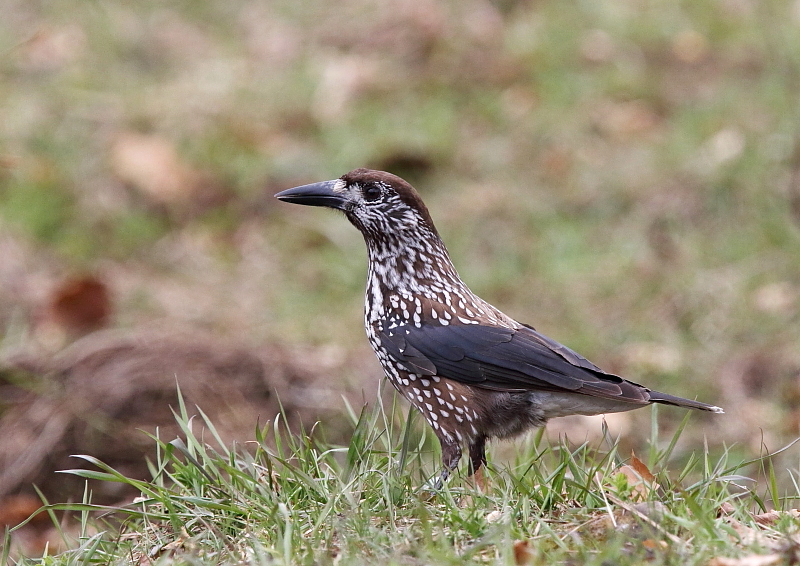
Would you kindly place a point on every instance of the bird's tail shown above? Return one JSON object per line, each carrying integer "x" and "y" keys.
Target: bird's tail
{"x": 666, "y": 399}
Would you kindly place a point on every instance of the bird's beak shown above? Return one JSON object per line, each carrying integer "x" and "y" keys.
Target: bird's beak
{"x": 315, "y": 194}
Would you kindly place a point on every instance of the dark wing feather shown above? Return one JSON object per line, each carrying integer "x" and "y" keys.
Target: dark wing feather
{"x": 503, "y": 358}
{"x": 414, "y": 361}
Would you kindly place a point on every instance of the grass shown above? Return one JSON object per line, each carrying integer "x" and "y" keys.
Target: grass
{"x": 302, "y": 501}
{"x": 617, "y": 174}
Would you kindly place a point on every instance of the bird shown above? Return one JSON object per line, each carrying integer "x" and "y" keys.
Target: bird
{"x": 473, "y": 372}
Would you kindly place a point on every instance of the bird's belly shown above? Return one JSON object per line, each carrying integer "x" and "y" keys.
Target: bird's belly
{"x": 557, "y": 404}
{"x": 505, "y": 414}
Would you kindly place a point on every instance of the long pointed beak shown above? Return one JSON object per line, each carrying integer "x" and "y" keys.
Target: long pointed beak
{"x": 315, "y": 194}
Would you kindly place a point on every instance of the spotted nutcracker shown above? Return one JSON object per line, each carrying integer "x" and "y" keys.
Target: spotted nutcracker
{"x": 472, "y": 371}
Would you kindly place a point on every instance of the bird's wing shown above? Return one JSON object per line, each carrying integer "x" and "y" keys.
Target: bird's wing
{"x": 503, "y": 358}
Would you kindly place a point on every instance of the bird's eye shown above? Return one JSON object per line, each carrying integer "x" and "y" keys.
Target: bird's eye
{"x": 372, "y": 192}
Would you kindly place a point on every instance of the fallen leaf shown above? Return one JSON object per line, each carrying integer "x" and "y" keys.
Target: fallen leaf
{"x": 150, "y": 164}
{"x": 690, "y": 46}
{"x": 623, "y": 120}
{"x": 641, "y": 469}
{"x": 772, "y": 517}
{"x": 640, "y": 481}
{"x": 80, "y": 305}
{"x": 523, "y": 553}
{"x": 651, "y": 544}
{"x": 16, "y": 508}
{"x": 494, "y": 516}
{"x": 750, "y": 536}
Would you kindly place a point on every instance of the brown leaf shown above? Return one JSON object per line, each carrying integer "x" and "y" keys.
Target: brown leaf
{"x": 651, "y": 544}
{"x": 725, "y": 509}
{"x": 81, "y": 305}
{"x": 750, "y": 536}
{"x": 626, "y": 119}
{"x": 690, "y": 47}
{"x": 772, "y": 517}
{"x": 639, "y": 478}
{"x": 16, "y": 508}
{"x": 150, "y": 164}
{"x": 641, "y": 469}
{"x": 523, "y": 553}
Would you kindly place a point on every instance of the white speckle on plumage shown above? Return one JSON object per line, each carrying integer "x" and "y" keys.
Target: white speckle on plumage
{"x": 425, "y": 382}
{"x": 434, "y": 416}
{"x": 433, "y": 314}
{"x": 449, "y": 385}
{"x": 449, "y": 406}
{"x": 416, "y": 390}
{"x": 444, "y": 413}
{"x": 459, "y": 419}
{"x": 452, "y": 397}
{"x": 430, "y": 407}
{"x": 436, "y": 378}
{"x": 427, "y": 393}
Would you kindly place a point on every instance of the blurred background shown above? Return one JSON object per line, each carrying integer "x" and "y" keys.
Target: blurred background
{"x": 624, "y": 175}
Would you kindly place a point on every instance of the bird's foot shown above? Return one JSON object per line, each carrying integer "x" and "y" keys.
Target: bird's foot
{"x": 436, "y": 483}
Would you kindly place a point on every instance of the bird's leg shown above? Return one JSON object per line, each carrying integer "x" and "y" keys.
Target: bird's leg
{"x": 477, "y": 454}
{"x": 477, "y": 462}
{"x": 451, "y": 454}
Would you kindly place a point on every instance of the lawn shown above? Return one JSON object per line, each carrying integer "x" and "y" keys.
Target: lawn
{"x": 624, "y": 176}
{"x": 309, "y": 502}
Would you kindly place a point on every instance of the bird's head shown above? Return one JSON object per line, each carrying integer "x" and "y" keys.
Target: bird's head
{"x": 379, "y": 204}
